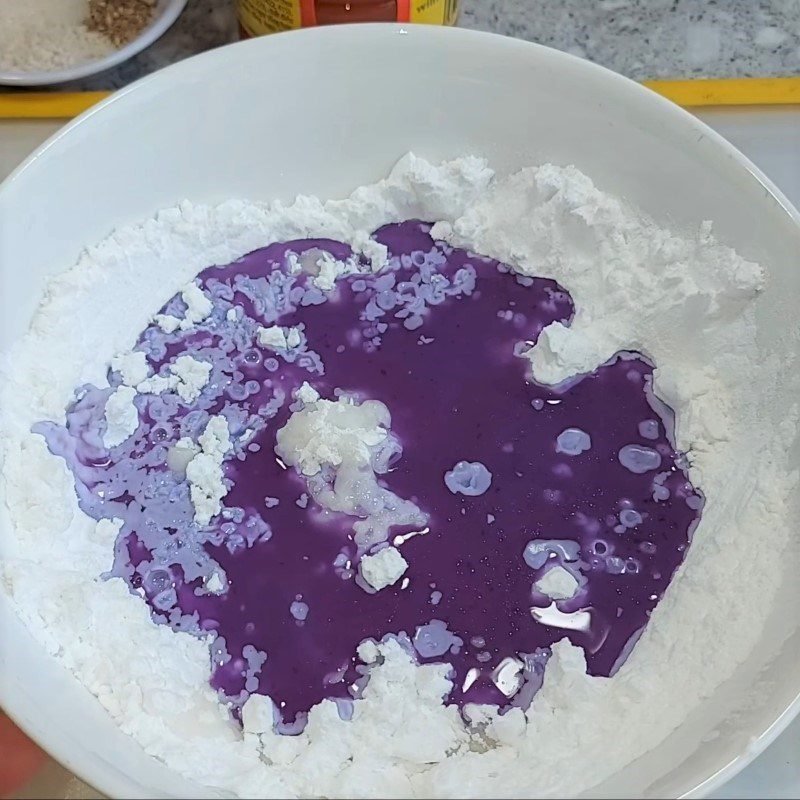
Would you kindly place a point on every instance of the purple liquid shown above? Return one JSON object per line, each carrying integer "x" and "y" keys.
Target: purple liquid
{"x": 577, "y": 466}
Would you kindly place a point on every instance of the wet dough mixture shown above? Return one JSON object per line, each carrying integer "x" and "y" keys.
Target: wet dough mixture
{"x": 390, "y": 485}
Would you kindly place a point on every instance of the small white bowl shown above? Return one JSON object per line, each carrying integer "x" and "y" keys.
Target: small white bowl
{"x": 166, "y": 12}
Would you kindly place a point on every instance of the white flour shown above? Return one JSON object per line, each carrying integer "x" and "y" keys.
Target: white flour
{"x": 47, "y": 35}
{"x": 686, "y": 301}
{"x": 350, "y": 439}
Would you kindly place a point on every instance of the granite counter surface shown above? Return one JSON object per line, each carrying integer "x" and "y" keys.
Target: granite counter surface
{"x": 639, "y": 38}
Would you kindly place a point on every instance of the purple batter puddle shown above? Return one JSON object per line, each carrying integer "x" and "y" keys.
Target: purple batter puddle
{"x": 516, "y": 480}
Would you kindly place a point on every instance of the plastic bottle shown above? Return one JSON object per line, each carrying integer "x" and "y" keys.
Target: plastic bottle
{"x": 257, "y": 17}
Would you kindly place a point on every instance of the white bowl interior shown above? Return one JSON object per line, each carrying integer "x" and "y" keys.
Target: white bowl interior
{"x": 300, "y": 112}
{"x": 166, "y": 12}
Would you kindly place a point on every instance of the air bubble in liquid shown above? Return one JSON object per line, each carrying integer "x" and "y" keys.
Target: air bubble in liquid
{"x": 299, "y": 610}
{"x": 573, "y": 442}
{"x": 660, "y": 493}
{"x": 615, "y": 565}
{"x": 434, "y": 639}
{"x": 469, "y": 478}
{"x": 639, "y": 459}
{"x": 694, "y": 502}
{"x": 630, "y": 518}
{"x": 648, "y": 429}
{"x": 538, "y": 551}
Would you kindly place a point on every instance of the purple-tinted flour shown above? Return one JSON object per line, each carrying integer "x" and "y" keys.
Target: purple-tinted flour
{"x": 575, "y": 471}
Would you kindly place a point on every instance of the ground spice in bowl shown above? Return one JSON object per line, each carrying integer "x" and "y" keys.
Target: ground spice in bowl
{"x": 120, "y": 21}
{"x": 41, "y": 36}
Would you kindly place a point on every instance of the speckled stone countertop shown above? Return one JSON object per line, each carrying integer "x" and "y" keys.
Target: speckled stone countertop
{"x": 639, "y": 38}
{"x": 656, "y": 38}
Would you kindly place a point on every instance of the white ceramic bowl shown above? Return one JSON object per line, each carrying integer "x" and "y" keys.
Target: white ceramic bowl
{"x": 166, "y": 12}
{"x": 322, "y": 112}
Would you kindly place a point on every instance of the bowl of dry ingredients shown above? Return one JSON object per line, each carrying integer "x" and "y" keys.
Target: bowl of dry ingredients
{"x": 473, "y": 471}
{"x": 53, "y": 41}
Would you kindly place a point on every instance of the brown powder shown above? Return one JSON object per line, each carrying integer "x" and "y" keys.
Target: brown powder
{"x": 120, "y": 21}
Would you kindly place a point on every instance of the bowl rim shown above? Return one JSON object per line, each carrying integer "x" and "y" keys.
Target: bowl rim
{"x": 71, "y": 753}
{"x": 157, "y": 28}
